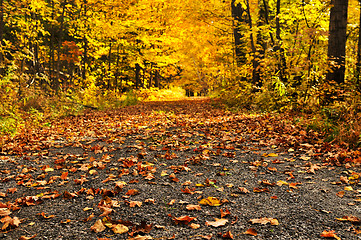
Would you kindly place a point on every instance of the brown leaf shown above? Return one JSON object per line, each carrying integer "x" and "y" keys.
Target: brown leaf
{"x": 135, "y": 203}
{"x": 344, "y": 179}
{"x": 259, "y": 190}
{"x": 217, "y": 223}
{"x": 188, "y": 190}
{"x": 228, "y": 235}
{"x": 225, "y": 212}
{"x": 183, "y": 220}
{"x": 251, "y": 231}
{"x": 132, "y": 192}
{"x": 98, "y": 226}
{"x": 243, "y": 190}
{"x": 267, "y": 183}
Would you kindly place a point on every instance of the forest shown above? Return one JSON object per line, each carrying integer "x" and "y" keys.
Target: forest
{"x": 59, "y": 57}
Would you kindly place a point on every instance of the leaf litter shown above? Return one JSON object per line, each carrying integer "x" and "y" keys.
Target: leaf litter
{"x": 124, "y": 171}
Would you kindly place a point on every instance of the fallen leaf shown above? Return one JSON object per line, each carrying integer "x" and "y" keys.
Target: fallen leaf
{"x": 340, "y": 194}
{"x": 135, "y": 203}
{"x": 120, "y": 228}
{"x": 132, "y": 192}
{"x": 191, "y": 207}
{"x": 344, "y": 179}
{"x": 4, "y": 212}
{"x": 264, "y": 221}
{"x": 46, "y": 217}
{"x": 27, "y": 238}
{"x": 259, "y": 190}
{"x": 352, "y": 219}
{"x": 251, "y": 231}
{"x": 217, "y": 223}
{"x": 243, "y": 190}
{"x": 211, "y": 201}
{"x": 225, "y": 212}
{"x": 98, "y": 226}
{"x": 194, "y": 226}
{"x": 64, "y": 176}
{"x": 228, "y": 235}
{"x": 141, "y": 238}
{"x": 329, "y": 234}
{"x": 182, "y": 220}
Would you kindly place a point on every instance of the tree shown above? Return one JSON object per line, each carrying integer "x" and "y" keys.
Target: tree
{"x": 337, "y": 41}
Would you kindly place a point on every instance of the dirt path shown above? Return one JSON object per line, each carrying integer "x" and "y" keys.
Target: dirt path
{"x": 175, "y": 170}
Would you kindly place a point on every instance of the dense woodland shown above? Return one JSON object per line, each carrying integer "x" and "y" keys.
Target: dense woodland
{"x": 58, "y": 56}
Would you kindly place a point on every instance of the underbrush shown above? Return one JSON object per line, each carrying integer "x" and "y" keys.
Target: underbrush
{"x": 35, "y": 108}
{"x": 339, "y": 120}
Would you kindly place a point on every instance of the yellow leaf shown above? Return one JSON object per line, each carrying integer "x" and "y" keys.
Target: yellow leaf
{"x": 211, "y": 201}
{"x": 120, "y": 228}
{"x": 349, "y": 188}
{"x": 280, "y": 183}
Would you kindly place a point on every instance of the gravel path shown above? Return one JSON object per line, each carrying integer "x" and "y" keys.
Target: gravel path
{"x": 176, "y": 170}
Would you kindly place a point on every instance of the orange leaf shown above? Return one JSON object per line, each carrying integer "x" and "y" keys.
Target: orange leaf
{"x": 182, "y": 220}
{"x": 46, "y": 217}
{"x": 225, "y": 213}
{"x": 340, "y": 194}
{"x": 251, "y": 231}
{"x": 228, "y": 235}
{"x": 258, "y": 190}
{"x": 191, "y": 207}
{"x": 329, "y": 234}
{"x": 132, "y": 192}
{"x": 27, "y": 238}
{"x": 187, "y": 190}
{"x": 135, "y": 203}
{"x": 64, "y": 176}
{"x": 194, "y": 226}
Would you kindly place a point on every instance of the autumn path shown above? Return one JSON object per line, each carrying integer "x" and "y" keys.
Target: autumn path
{"x": 175, "y": 170}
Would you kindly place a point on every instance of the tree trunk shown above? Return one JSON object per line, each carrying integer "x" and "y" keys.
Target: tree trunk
{"x": 109, "y": 63}
{"x": 240, "y": 51}
{"x": 282, "y": 59}
{"x": 358, "y": 63}
{"x": 137, "y": 75}
{"x": 1, "y": 35}
{"x": 337, "y": 41}
{"x": 156, "y": 79}
{"x": 255, "y": 62}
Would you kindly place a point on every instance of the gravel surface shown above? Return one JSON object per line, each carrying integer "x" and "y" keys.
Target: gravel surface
{"x": 143, "y": 167}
